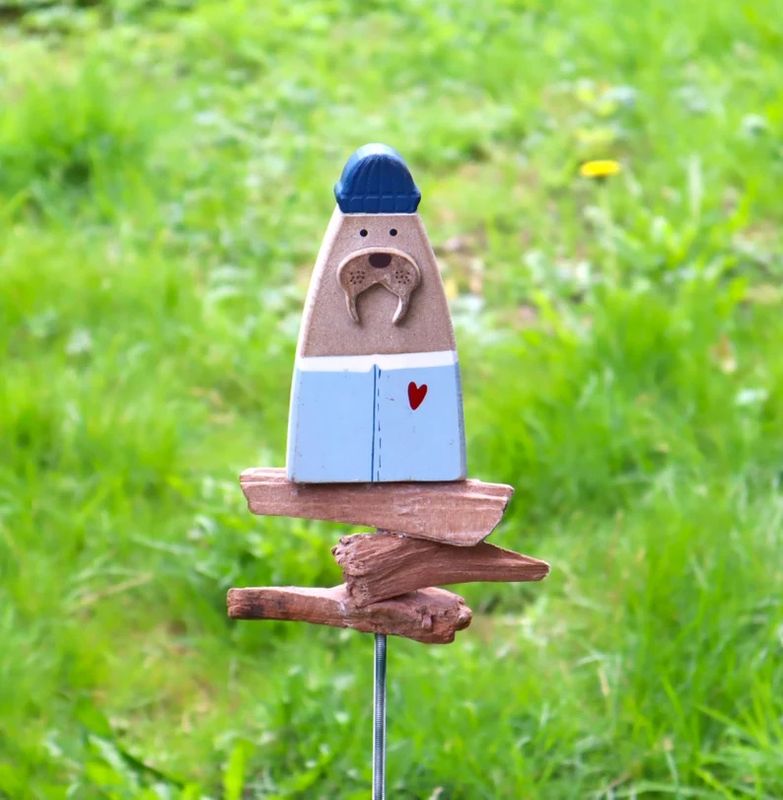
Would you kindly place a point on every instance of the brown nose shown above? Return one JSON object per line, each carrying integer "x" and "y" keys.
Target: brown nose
{"x": 380, "y": 260}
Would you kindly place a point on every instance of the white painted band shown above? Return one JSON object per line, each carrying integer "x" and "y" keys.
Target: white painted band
{"x": 438, "y": 358}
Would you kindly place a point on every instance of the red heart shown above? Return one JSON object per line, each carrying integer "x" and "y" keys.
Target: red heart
{"x": 416, "y": 394}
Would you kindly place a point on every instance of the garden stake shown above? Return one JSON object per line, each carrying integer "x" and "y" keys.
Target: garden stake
{"x": 376, "y": 437}
{"x": 379, "y": 720}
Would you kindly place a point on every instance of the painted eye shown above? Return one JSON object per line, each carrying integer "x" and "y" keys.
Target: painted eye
{"x": 363, "y": 232}
{"x": 393, "y": 232}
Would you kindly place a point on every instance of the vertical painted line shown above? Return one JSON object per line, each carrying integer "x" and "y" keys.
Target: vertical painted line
{"x": 374, "y": 405}
{"x": 378, "y": 453}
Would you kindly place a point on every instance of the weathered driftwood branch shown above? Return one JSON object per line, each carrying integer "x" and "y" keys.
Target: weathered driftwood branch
{"x": 385, "y": 564}
{"x": 431, "y": 616}
{"x": 461, "y": 513}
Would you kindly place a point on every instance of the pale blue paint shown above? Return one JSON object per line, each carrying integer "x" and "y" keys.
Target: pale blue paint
{"x": 330, "y": 427}
{"x": 358, "y": 426}
{"x": 425, "y": 444}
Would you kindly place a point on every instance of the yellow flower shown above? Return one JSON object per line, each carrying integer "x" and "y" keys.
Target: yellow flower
{"x": 599, "y": 169}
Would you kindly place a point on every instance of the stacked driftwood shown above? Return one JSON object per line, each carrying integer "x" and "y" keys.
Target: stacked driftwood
{"x": 427, "y": 535}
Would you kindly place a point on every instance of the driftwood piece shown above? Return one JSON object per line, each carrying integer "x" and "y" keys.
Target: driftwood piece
{"x": 461, "y": 513}
{"x": 383, "y": 565}
{"x": 431, "y": 616}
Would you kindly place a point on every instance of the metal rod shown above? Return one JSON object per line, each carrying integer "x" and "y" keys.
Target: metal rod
{"x": 379, "y": 720}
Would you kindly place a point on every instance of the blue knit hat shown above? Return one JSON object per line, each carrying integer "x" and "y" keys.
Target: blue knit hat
{"x": 376, "y": 180}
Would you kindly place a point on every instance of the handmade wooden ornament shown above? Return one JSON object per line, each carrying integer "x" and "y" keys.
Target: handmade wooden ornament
{"x": 376, "y": 391}
{"x": 375, "y": 433}
{"x": 375, "y": 436}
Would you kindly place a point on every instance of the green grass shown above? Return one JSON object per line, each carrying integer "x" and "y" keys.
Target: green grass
{"x": 165, "y": 175}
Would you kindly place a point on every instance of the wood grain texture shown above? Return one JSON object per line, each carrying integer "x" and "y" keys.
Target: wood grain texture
{"x": 461, "y": 513}
{"x": 431, "y": 616}
{"x": 383, "y": 565}
{"x": 328, "y": 327}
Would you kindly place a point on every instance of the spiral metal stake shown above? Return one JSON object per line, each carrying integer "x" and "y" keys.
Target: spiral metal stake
{"x": 379, "y": 720}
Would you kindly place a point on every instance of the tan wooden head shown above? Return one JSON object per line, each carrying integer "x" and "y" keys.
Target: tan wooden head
{"x": 375, "y": 288}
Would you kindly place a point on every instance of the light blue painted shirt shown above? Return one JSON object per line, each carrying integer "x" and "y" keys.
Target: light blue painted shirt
{"x": 376, "y": 418}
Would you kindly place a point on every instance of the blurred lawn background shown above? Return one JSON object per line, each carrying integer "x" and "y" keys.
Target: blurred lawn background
{"x": 165, "y": 179}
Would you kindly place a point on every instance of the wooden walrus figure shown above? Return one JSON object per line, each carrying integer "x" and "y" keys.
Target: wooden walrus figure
{"x": 376, "y": 389}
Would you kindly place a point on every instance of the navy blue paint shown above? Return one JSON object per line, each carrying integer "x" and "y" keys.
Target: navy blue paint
{"x": 376, "y": 180}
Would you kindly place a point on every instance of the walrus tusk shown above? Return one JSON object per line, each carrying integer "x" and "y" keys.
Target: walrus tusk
{"x": 402, "y": 309}
{"x": 351, "y": 303}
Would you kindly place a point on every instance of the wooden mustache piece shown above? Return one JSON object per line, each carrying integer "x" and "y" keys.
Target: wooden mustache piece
{"x": 399, "y": 274}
